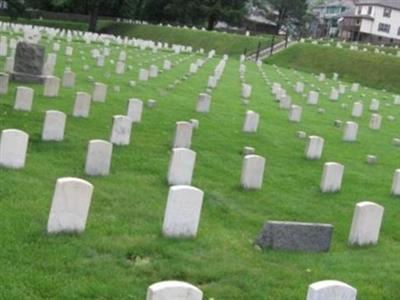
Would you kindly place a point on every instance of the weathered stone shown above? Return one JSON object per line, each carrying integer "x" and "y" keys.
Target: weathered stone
{"x": 182, "y": 214}
{"x": 367, "y": 220}
{"x": 151, "y": 103}
{"x": 248, "y": 151}
{"x": 98, "y": 158}
{"x": 357, "y": 109}
{"x": 4, "y": 78}
{"x": 54, "y": 126}
{"x": 331, "y": 180}
{"x": 313, "y": 98}
{"x": 13, "y": 147}
{"x": 331, "y": 290}
{"x": 296, "y": 236}
{"x": 350, "y": 132}
{"x": 51, "y": 86}
{"x": 68, "y": 79}
{"x": 181, "y": 166}
{"x": 195, "y": 123}
{"x": 28, "y": 65}
{"x": 251, "y": 122}
{"x": 374, "y": 105}
{"x": 70, "y": 205}
{"x": 183, "y": 135}
{"x": 203, "y": 103}
{"x": 99, "y": 92}
{"x": 82, "y": 105}
{"x": 23, "y": 98}
{"x": 314, "y": 147}
{"x": 252, "y": 172}
{"x": 301, "y": 134}
{"x": 375, "y": 121}
{"x": 134, "y": 111}
{"x": 173, "y": 290}
{"x": 371, "y": 159}
{"x": 121, "y": 130}
{"x": 295, "y": 113}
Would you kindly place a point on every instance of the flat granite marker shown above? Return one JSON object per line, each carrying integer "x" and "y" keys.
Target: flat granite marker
{"x": 28, "y": 63}
{"x": 295, "y": 236}
{"x": 331, "y": 290}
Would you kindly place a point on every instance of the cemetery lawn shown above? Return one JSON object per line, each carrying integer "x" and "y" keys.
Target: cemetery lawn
{"x": 222, "y": 43}
{"x": 122, "y": 250}
{"x": 370, "y": 69}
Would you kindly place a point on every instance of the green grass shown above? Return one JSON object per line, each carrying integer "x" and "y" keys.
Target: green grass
{"x": 223, "y": 43}
{"x": 373, "y": 70}
{"x": 127, "y": 207}
{"x": 386, "y": 49}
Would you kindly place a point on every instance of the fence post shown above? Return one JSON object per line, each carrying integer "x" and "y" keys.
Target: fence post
{"x": 286, "y": 39}
{"x": 272, "y": 45}
{"x": 258, "y": 51}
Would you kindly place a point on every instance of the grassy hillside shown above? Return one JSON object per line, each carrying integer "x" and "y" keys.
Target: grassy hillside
{"x": 374, "y": 70}
{"x": 122, "y": 250}
{"x": 223, "y": 43}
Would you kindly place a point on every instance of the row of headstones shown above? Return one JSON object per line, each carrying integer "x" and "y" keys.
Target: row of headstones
{"x": 321, "y": 290}
{"x": 350, "y": 129}
{"x": 34, "y": 34}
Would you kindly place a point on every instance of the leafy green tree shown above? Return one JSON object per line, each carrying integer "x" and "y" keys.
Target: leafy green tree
{"x": 15, "y": 9}
{"x": 288, "y": 13}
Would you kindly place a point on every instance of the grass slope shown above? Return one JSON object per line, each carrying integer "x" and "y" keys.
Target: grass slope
{"x": 122, "y": 251}
{"x": 223, "y": 43}
{"x": 369, "y": 69}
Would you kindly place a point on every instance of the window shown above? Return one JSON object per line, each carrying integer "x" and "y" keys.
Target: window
{"x": 398, "y": 31}
{"x": 384, "y": 27}
{"x": 387, "y": 12}
{"x": 369, "y": 10}
{"x": 359, "y": 10}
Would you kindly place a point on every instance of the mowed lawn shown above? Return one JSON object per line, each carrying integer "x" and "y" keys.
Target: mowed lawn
{"x": 222, "y": 43}
{"x": 375, "y": 70}
{"x": 122, "y": 250}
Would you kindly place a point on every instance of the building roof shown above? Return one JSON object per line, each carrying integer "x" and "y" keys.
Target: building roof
{"x": 386, "y": 3}
{"x": 345, "y": 3}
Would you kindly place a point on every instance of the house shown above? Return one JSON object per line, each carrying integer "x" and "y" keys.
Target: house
{"x": 375, "y": 21}
{"x": 326, "y": 17}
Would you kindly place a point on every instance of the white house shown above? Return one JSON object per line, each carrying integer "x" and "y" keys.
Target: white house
{"x": 373, "y": 21}
{"x": 327, "y": 15}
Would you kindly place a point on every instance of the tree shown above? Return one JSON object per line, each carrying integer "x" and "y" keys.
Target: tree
{"x": 230, "y": 11}
{"x": 288, "y": 13}
{"x": 15, "y": 9}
